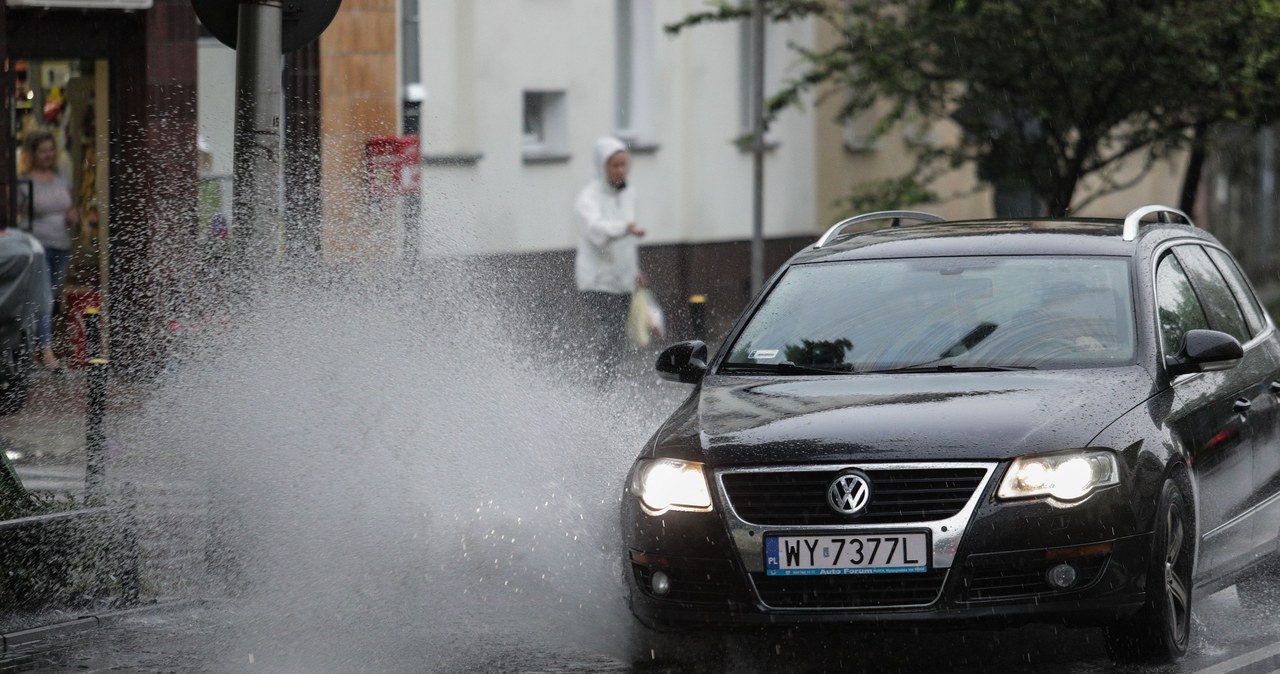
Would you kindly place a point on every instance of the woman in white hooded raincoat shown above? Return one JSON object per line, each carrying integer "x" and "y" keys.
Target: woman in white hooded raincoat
{"x": 608, "y": 263}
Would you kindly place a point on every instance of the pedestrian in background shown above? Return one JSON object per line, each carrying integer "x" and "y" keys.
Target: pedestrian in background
{"x": 46, "y": 201}
{"x": 608, "y": 264}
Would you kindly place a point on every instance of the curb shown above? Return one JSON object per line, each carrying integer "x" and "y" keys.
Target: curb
{"x": 1260, "y": 661}
{"x": 14, "y": 640}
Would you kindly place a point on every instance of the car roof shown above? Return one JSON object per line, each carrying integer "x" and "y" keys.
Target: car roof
{"x": 1060, "y": 236}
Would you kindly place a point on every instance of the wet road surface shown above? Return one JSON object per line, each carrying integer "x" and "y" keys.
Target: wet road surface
{"x": 221, "y": 637}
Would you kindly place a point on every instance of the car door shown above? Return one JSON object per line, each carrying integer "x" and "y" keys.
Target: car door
{"x": 1266, "y": 426}
{"x": 1209, "y": 423}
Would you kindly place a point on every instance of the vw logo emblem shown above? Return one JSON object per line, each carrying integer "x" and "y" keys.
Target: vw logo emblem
{"x": 848, "y": 493}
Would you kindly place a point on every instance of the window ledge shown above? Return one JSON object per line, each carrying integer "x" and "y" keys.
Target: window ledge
{"x": 455, "y": 159}
{"x": 542, "y": 157}
{"x": 639, "y": 145}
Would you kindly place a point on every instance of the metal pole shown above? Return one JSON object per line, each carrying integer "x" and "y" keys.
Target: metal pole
{"x": 698, "y": 317}
{"x": 259, "y": 96}
{"x": 1266, "y": 194}
{"x": 412, "y": 229}
{"x": 757, "y": 146}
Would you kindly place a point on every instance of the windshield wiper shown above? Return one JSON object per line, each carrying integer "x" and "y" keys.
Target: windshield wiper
{"x": 952, "y": 368}
{"x": 785, "y": 367}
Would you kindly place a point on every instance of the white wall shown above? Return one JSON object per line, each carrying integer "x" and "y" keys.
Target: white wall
{"x": 478, "y": 56}
{"x": 216, "y": 100}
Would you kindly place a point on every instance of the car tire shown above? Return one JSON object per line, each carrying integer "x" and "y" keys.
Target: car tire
{"x": 1259, "y": 590}
{"x": 1161, "y": 630}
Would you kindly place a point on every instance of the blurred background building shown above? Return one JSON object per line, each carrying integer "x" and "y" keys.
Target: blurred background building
{"x": 504, "y": 99}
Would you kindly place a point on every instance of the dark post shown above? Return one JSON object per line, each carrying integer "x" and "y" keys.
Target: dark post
{"x": 128, "y": 545}
{"x": 8, "y": 160}
{"x": 412, "y": 229}
{"x": 757, "y": 146}
{"x": 698, "y": 316}
{"x": 255, "y": 188}
{"x": 95, "y": 438}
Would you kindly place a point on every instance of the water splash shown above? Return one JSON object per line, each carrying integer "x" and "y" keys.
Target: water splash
{"x": 392, "y": 465}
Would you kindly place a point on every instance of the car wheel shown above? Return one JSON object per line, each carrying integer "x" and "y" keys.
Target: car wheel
{"x": 1258, "y": 589}
{"x": 1161, "y": 630}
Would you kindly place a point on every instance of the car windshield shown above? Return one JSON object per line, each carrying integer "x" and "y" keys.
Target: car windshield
{"x": 940, "y": 314}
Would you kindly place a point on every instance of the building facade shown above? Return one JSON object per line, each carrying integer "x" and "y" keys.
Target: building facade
{"x": 514, "y": 93}
{"x": 340, "y": 91}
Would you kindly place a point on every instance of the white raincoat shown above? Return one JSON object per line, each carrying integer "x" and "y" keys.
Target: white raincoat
{"x": 607, "y": 256}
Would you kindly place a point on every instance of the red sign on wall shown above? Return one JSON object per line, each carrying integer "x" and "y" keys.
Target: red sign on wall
{"x": 392, "y": 164}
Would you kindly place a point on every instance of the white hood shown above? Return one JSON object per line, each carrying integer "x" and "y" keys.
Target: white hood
{"x": 607, "y": 259}
{"x": 606, "y": 146}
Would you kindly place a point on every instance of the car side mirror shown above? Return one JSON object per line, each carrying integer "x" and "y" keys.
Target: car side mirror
{"x": 685, "y": 362}
{"x": 1205, "y": 351}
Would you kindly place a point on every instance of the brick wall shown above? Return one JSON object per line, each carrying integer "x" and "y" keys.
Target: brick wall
{"x": 359, "y": 100}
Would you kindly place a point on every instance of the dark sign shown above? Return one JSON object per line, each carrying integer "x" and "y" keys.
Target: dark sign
{"x": 304, "y": 20}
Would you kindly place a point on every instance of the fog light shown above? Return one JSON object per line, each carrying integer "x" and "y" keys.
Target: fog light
{"x": 1061, "y": 576}
{"x": 660, "y": 583}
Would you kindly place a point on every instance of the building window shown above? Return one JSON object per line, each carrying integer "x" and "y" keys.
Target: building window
{"x": 859, "y": 131}
{"x": 636, "y": 40}
{"x": 546, "y": 126}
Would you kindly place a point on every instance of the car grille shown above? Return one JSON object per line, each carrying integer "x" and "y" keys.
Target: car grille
{"x": 864, "y": 591}
{"x": 1005, "y": 579}
{"x": 897, "y": 495}
{"x": 694, "y": 581}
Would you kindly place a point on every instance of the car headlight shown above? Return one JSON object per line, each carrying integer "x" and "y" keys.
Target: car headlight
{"x": 1065, "y": 476}
{"x": 671, "y": 484}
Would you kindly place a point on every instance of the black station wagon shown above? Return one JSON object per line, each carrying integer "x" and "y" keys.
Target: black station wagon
{"x": 1073, "y": 420}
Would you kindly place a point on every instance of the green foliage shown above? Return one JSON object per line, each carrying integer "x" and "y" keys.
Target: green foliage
{"x": 14, "y": 499}
{"x": 819, "y": 352}
{"x": 886, "y": 195}
{"x": 1046, "y": 93}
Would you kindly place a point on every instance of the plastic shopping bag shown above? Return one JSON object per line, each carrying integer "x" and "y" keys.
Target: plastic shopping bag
{"x": 645, "y": 320}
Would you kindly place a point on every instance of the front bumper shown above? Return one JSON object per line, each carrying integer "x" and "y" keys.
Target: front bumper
{"x": 988, "y": 566}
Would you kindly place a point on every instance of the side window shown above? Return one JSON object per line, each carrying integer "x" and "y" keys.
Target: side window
{"x": 1240, "y": 287}
{"x": 1176, "y": 303}
{"x": 1215, "y": 297}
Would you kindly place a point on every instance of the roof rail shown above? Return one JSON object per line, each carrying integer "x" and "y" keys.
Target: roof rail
{"x": 896, "y": 216}
{"x": 1134, "y": 218}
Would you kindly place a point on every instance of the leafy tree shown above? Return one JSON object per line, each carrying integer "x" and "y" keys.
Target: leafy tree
{"x": 1046, "y": 93}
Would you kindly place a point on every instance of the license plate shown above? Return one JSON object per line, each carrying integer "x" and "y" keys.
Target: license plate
{"x": 821, "y": 555}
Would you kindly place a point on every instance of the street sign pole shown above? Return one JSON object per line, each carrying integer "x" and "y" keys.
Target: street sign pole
{"x": 261, "y": 32}
{"x": 257, "y": 168}
{"x": 757, "y": 146}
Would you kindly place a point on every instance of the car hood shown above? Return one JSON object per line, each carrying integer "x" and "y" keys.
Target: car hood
{"x": 920, "y": 416}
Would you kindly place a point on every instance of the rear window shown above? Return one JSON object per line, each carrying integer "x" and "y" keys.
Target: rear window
{"x": 1241, "y": 288}
{"x": 1215, "y": 297}
{"x": 1006, "y": 311}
